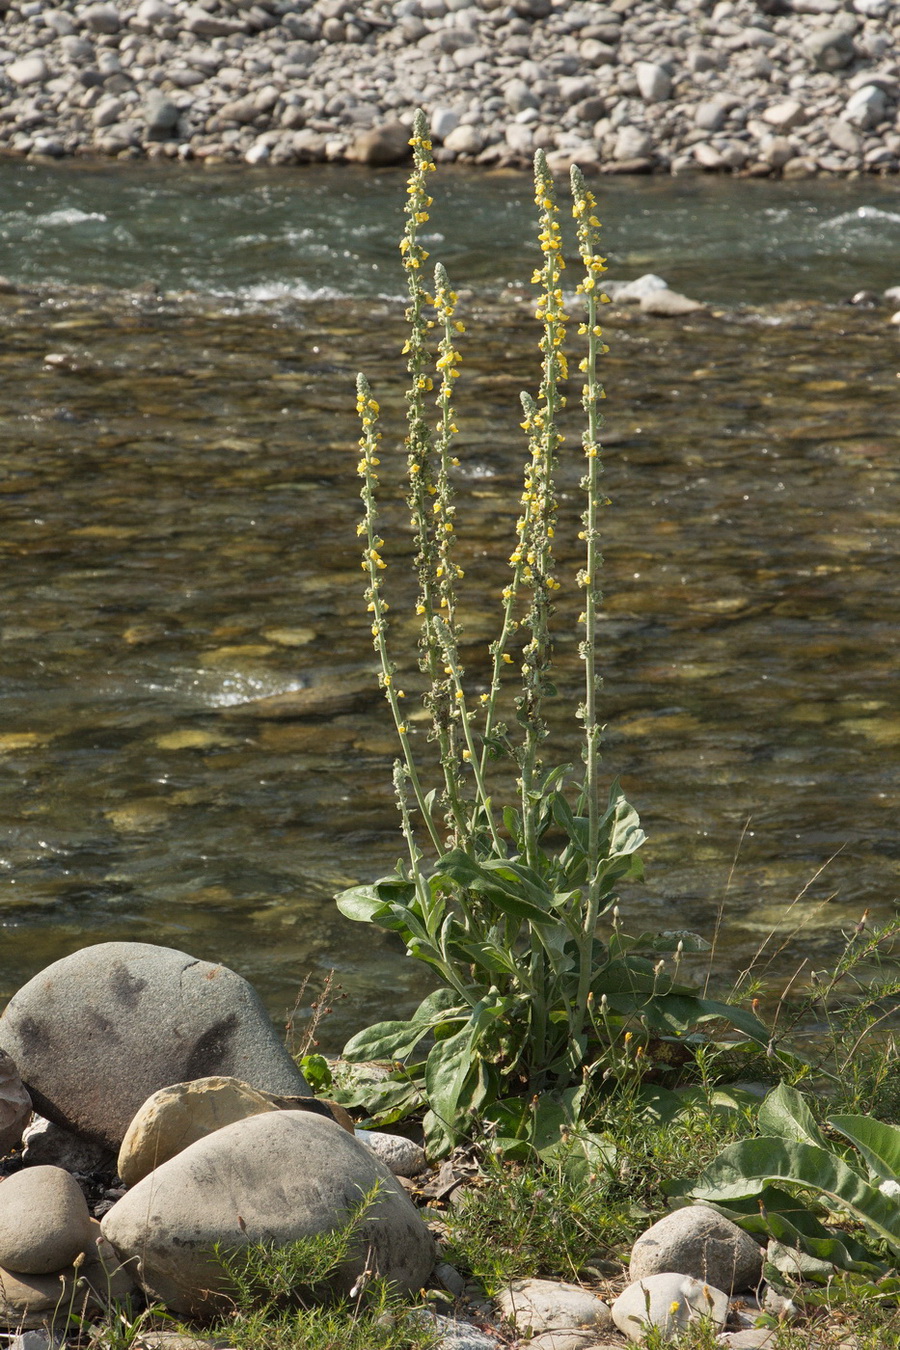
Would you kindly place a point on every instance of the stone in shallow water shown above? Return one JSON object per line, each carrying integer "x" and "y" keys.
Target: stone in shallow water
{"x": 99, "y": 1031}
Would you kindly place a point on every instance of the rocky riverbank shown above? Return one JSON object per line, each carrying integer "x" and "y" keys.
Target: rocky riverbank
{"x": 105, "y": 1207}
{"x": 796, "y": 87}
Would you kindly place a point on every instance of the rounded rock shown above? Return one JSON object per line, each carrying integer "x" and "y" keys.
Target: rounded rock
{"x": 44, "y": 1221}
{"x": 95, "y": 1034}
{"x": 102, "y": 19}
{"x": 272, "y": 1178}
{"x": 537, "y": 1306}
{"x": 669, "y": 1301}
{"x": 176, "y": 1117}
{"x": 403, "y": 1157}
{"x": 699, "y": 1242}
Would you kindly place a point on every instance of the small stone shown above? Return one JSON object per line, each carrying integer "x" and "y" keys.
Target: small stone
{"x": 450, "y": 1279}
{"x": 34, "y": 1340}
{"x": 465, "y": 140}
{"x": 535, "y": 1306}
{"x": 519, "y": 138}
{"x": 454, "y": 1334}
{"x": 843, "y": 136}
{"x": 633, "y": 292}
{"x": 867, "y": 107}
{"x": 786, "y": 115}
{"x": 777, "y": 151}
{"x": 30, "y": 70}
{"x": 800, "y": 167}
{"x": 654, "y": 82}
{"x": 632, "y": 143}
{"x": 44, "y": 1221}
{"x": 669, "y": 1301}
{"x": 830, "y": 48}
{"x": 102, "y": 19}
{"x": 708, "y": 156}
{"x": 753, "y": 1338}
{"x": 565, "y": 1340}
{"x": 443, "y": 121}
{"x": 160, "y": 114}
{"x": 695, "y": 1240}
{"x": 519, "y": 97}
{"x": 388, "y": 144}
{"x": 710, "y": 115}
{"x": 402, "y": 1156}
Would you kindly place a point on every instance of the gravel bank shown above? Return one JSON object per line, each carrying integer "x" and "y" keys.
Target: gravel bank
{"x": 759, "y": 87}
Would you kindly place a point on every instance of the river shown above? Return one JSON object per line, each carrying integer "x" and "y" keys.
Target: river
{"x": 177, "y": 479}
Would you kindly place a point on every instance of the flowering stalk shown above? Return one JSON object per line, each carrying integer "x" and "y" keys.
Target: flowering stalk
{"x": 583, "y": 208}
{"x": 534, "y": 550}
{"x": 429, "y": 495}
{"x": 374, "y": 565}
{"x": 458, "y": 746}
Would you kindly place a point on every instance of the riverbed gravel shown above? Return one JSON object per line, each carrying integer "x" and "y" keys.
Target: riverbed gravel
{"x": 758, "y": 87}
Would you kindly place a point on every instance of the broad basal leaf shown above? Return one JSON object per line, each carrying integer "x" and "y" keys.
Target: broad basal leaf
{"x": 745, "y": 1168}
{"x": 785, "y": 1113}
{"x": 878, "y": 1142}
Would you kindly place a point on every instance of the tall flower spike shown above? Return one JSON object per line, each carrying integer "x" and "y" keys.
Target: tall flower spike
{"x": 374, "y": 566}
{"x": 535, "y": 537}
{"x": 588, "y": 227}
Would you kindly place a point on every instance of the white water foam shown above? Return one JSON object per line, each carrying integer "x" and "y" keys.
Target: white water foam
{"x": 862, "y": 213}
{"x": 69, "y": 215}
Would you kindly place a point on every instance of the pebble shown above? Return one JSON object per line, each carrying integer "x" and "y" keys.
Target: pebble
{"x": 403, "y": 1157}
{"x": 624, "y": 87}
{"x": 536, "y": 1306}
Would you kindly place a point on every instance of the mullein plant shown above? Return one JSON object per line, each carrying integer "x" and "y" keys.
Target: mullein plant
{"x": 506, "y": 918}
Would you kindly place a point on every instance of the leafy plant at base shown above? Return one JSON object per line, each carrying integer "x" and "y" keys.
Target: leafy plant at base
{"x": 767, "y": 1185}
{"x": 283, "y": 1298}
{"x": 531, "y": 999}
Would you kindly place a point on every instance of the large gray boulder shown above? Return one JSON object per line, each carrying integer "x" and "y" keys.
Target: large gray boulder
{"x": 96, "y": 1033}
{"x": 272, "y": 1178}
{"x": 698, "y": 1241}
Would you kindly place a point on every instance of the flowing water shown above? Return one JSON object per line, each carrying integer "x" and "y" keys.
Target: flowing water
{"x": 193, "y": 750}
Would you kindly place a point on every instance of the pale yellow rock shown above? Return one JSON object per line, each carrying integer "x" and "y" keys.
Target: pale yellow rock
{"x": 177, "y": 1116}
